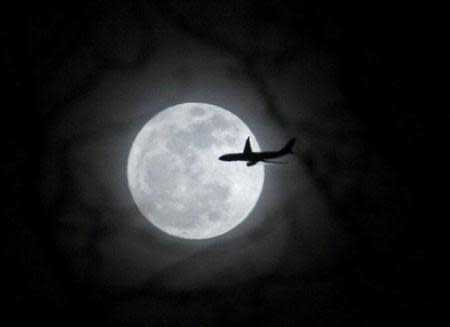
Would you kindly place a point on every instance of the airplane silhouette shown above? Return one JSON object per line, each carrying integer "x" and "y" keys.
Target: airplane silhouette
{"x": 254, "y": 157}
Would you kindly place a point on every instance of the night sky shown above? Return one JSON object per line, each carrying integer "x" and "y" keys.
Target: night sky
{"x": 338, "y": 237}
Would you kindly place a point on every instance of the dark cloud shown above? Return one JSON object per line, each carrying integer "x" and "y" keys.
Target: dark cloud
{"x": 337, "y": 237}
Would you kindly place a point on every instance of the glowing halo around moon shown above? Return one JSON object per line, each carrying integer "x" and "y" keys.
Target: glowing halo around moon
{"x": 176, "y": 179}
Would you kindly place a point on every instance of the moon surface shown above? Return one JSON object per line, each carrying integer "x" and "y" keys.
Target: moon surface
{"x": 176, "y": 179}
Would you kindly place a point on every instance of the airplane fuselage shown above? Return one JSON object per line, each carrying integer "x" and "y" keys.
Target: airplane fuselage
{"x": 254, "y": 156}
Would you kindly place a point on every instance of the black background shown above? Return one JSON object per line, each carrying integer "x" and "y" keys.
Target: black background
{"x": 385, "y": 68}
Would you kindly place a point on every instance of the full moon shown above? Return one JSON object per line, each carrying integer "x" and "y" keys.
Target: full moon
{"x": 176, "y": 179}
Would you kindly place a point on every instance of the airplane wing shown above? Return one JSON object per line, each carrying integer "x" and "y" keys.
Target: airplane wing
{"x": 248, "y": 147}
{"x": 274, "y": 162}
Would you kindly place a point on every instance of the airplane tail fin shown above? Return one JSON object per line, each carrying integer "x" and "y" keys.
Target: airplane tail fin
{"x": 288, "y": 147}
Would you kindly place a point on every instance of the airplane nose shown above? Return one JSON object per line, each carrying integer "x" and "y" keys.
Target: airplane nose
{"x": 221, "y": 158}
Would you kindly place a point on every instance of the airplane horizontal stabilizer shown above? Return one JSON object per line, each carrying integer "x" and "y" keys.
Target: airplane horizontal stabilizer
{"x": 274, "y": 162}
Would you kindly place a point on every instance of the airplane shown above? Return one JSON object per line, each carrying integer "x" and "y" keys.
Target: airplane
{"x": 254, "y": 157}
